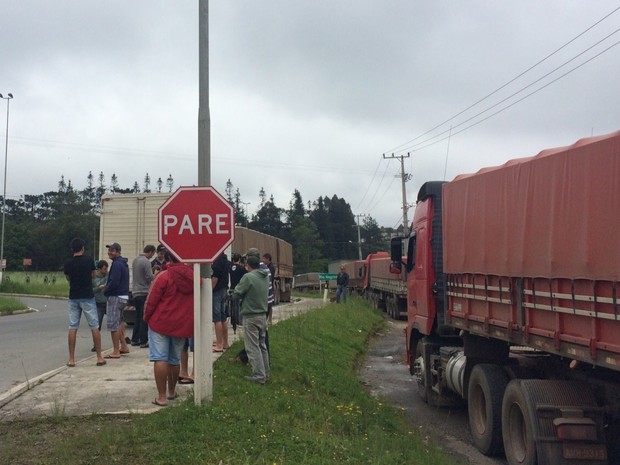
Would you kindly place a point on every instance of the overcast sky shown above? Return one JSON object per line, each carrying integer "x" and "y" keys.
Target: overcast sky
{"x": 304, "y": 95}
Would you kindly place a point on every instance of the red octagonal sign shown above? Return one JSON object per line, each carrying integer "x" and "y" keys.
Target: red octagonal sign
{"x": 196, "y": 224}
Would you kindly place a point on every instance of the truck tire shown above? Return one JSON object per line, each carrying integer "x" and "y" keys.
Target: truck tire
{"x": 421, "y": 382}
{"x": 487, "y": 384}
{"x": 518, "y": 426}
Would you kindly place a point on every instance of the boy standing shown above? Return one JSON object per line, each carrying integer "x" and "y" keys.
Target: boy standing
{"x": 79, "y": 271}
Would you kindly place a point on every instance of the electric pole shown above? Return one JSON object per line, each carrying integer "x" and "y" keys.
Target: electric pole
{"x": 404, "y": 177}
{"x": 359, "y": 237}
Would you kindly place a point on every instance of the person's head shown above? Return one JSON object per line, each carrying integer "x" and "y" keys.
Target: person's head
{"x": 149, "y": 250}
{"x": 114, "y": 250}
{"x": 253, "y": 262}
{"x": 267, "y": 258}
{"x": 342, "y": 268}
{"x": 171, "y": 258}
{"x": 253, "y": 252}
{"x": 77, "y": 245}
{"x": 102, "y": 267}
{"x": 236, "y": 258}
{"x": 161, "y": 253}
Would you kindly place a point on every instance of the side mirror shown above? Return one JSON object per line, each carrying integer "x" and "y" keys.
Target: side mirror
{"x": 396, "y": 249}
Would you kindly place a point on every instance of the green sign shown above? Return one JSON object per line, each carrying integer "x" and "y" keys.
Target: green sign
{"x": 328, "y": 276}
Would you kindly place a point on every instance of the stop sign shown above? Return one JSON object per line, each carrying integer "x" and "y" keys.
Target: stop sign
{"x": 196, "y": 224}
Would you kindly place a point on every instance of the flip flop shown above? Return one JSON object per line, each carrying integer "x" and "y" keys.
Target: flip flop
{"x": 100, "y": 364}
{"x": 174, "y": 397}
{"x": 158, "y": 404}
{"x": 217, "y": 351}
{"x": 186, "y": 381}
{"x": 71, "y": 365}
{"x": 124, "y": 352}
{"x": 114, "y": 357}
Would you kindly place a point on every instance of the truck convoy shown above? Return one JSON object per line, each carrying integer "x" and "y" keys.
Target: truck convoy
{"x": 513, "y": 301}
{"x": 131, "y": 220}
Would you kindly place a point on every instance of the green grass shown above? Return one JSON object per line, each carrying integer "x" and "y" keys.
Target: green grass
{"x": 51, "y": 283}
{"x": 9, "y": 305}
{"x": 314, "y": 410}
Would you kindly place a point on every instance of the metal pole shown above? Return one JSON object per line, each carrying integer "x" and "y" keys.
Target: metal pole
{"x": 6, "y": 157}
{"x": 203, "y": 299}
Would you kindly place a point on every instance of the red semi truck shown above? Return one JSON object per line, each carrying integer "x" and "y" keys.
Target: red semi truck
{"x": 513, "y": 300}
{"x": 385, "y": 289}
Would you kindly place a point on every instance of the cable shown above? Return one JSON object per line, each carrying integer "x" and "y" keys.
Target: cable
{"x": 522, "y": 98}
{"x": 507, "y": 83}
{"x": 523, "y": 89}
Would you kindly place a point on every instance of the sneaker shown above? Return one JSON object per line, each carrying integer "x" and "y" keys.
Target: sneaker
{"x": 144, "y": 346}
{"x": 255, "y": 379}
{"x": 136, "y": 343}
{"x": 93, "y": 350}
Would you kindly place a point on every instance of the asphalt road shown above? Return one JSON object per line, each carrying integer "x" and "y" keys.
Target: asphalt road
{"x": 34, "y": 343}
{"x": 387, "y": 377}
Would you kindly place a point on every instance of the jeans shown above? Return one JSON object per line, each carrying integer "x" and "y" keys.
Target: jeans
{"x": 341, "y": 291}
{"x": 140, "y": 329}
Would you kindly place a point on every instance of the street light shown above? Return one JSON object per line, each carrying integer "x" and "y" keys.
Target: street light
{"x": 6, "y": 156}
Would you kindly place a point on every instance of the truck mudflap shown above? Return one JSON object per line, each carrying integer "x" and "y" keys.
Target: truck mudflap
{"x": 552, "y": 422}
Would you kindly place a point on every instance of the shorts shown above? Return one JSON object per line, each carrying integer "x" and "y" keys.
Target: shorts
{"x": 86, "y": 306}
{"x": 220, "y": 311}
{"x": 164, "y": 348}
{"x": 188, "y": 344}
{"x": 114, "y": 310}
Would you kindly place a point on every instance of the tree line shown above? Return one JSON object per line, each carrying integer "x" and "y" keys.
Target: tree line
{"x": 40, "y": 227}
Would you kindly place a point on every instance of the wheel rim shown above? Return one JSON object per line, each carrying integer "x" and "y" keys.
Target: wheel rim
{"x": 479, "y": 411}
{"x": 517, "y": 430}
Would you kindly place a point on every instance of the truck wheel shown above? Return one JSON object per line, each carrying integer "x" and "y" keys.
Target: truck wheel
{"x": 421, "y": 377}
{"x": 517, "y": 426}
{"x": 487, "y": 384}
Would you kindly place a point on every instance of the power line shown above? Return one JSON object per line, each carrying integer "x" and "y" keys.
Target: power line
{"x": 397, "y": 148}
{"x": 413, "y": 147}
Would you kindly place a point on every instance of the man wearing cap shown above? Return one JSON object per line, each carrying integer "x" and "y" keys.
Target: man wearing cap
{"x": 142, "y": 274}
{"x": 157, "y": 264}
{"x": 117, "y": 292}
{"x": 253, "y": 289}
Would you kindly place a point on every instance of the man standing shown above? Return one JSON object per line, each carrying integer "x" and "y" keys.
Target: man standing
{"x": 169, "y": 312}
{"x": 253, "y": 290}
{"x": 142, "y": 274}
{"x": 267, "y": 260}
{"x": 79, "y": 271}
{"x": 219, "y": 283}
{"x": 160, "y": 259}
{"x": 117, "y": 292}
{"x": 342, "y": 281}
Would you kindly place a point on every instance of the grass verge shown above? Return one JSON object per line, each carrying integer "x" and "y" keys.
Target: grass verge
{"x": 9, "y": 305}
{"x": 51, "y": 283}
{"x": 314, "y": 410}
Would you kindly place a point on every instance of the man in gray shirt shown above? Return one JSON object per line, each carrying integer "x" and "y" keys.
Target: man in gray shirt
{"x": 142, "y": 275}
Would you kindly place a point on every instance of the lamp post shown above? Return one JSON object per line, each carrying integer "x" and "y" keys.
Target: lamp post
{"x": 6, "y": 156}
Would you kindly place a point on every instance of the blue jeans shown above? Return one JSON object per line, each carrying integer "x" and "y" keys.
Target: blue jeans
{"x": 341, "y": 291}
{"x": 86, "y": 306}
{"x": 165, "y": 348}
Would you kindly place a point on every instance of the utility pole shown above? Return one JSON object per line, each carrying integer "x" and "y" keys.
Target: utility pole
{"x": 359, "y": 237}
{"x": 404, "y": 177}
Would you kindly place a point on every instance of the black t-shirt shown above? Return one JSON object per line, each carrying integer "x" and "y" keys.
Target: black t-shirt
{"x": 79, "y": 270}
{"x": 236, "y": 273}
{"x": 220, "y": 271}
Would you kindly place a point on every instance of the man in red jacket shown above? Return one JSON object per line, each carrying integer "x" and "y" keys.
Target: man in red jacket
{"x": 169, "y": 312}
